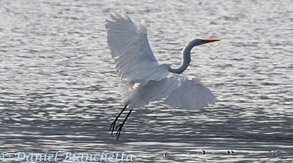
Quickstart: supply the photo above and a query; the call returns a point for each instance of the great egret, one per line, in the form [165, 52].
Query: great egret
[143, 79]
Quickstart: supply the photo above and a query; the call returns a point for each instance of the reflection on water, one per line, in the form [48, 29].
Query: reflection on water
[58, 88]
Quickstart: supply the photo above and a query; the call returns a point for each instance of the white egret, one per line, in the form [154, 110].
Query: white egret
[145, 80]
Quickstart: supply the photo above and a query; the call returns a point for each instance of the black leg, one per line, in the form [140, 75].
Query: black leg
[121, 125]
[112, 127]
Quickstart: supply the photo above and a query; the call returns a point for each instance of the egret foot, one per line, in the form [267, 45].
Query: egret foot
[112, 126]
[120, 126]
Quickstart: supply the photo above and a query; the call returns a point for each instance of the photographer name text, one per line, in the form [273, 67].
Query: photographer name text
[67, 157]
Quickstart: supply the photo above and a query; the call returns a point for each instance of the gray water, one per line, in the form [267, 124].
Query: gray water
[59, 89]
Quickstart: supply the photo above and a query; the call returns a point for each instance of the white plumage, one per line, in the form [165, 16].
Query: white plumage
[144, 80]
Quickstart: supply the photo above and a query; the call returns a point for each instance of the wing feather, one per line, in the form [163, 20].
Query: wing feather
[190, 94]
[131, 51]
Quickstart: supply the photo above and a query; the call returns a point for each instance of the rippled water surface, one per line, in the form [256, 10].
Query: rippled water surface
[59, 89]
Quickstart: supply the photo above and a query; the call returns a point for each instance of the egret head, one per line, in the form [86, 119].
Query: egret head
[200, 42]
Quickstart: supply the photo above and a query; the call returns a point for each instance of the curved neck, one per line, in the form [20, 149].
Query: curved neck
[185, 60]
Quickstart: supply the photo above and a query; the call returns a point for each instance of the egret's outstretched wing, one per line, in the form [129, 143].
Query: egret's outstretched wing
[131, 51]
[179, 92]
[190, 94]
